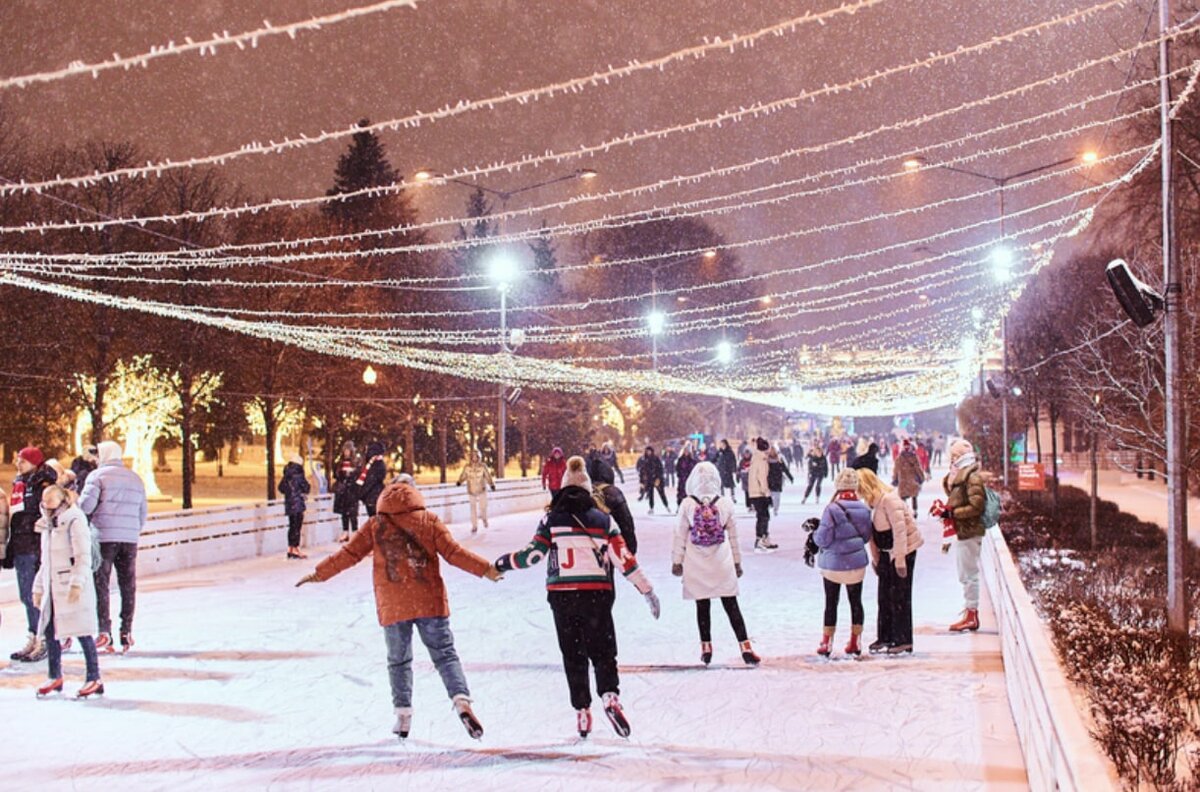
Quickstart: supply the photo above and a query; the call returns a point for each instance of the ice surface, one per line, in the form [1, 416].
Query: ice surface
[241, 681]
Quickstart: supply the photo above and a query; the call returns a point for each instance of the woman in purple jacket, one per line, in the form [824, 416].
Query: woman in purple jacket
[843, 535]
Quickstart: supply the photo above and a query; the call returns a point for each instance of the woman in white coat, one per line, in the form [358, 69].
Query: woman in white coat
[64, 589]
[706, 555]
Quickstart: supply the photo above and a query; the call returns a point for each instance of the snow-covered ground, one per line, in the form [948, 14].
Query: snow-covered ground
[240, 680]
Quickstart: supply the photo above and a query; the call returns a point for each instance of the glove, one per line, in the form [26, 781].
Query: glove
[652, 601]
[493, 574]
[74, 594]
[677, 570]
[947, 514]
[493, 488]
[901, 571]
[311, 577]
[460, 483]
[738, 569]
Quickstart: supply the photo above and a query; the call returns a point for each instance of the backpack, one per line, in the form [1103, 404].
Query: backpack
[95, 537]
[991, 509]
[706, 530]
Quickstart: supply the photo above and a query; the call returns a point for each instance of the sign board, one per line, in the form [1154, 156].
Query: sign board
[1031, 476]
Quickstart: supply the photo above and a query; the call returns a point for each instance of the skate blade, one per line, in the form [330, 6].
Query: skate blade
[473, 727]
[619, 723]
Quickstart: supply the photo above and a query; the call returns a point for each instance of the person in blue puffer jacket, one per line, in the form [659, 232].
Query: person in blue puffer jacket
[842, 536]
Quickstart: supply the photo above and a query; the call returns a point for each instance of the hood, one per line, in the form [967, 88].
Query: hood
[573, 500]
[374, 450]
[601, 472]
[557, 453]
[400, 499]
[293, 469]
[704, 482]
[108, 451]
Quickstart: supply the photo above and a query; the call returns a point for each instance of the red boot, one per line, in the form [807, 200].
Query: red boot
[51, 686]
[748, 655]
[968, 623]
[854, 648]
[826, 647]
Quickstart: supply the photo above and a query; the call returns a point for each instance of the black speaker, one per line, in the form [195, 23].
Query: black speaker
[1137, 299]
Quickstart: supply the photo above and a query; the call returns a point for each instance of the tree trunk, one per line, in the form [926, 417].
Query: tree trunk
[186, 408]
[1037, 431]
[1054, 450]
[1095, 489]
[269, 423]
[410, 443]
[233, 450]
[97, 409]
[524, 444]
[443, 446]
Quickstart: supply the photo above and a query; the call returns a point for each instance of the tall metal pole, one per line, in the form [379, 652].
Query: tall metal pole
[502, 410]
[654, 309]
[1004, 356]
[1177, 610]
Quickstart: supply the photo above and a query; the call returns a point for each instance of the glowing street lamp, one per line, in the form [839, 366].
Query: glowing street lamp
[656, 321]
[503, 271]
[370, 376]
[710, 254]
[1002, 263]
[913, 164]
[724, 352]
[1089, 157]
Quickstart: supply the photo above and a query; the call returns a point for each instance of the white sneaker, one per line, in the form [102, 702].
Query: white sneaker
[403, 722]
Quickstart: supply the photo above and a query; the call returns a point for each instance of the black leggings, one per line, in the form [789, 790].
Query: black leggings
[704, 618]
[661, 494]
[814, 481]
[833, 594]
[350, 521]
[295, 524]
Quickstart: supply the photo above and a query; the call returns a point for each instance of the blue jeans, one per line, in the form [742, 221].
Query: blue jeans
[54, 653]
[436, 635]
[26, 565]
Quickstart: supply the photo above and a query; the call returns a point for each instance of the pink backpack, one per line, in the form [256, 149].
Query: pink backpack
[706, 530]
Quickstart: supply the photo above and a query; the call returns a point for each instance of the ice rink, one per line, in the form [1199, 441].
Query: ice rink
[240, 681]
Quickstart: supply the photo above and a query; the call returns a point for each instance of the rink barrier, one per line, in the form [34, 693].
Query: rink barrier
[1060, 753]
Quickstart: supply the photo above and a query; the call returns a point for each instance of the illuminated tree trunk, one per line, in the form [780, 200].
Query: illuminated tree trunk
[269, 421]
[186, 411]
[443, 445]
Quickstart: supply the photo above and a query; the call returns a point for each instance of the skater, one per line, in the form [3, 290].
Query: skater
[65, 591]
[842, 537]
[609, 457]
[908, 476]
[294, 487]
[775, 472]
[668, 460]
[345, 492]
[818, 470]
[369, 484]
[580, 545]
[651, 473]
[758, 492]
[868, 459]
[610, 500]
[82, 466]
[706, 555]
[727, 466]
[405, 542]
[965, 501]
[744, 477]
[834, 454]
[552, 472]
[893, 548]
[683, 468]
[478, 479]
[24, 546]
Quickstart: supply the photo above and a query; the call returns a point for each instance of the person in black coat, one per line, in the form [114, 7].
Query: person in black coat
[294, 487]
[868, 461]
[371, 478]
[776, 470]
[82, 466]
[650, 475]
[818, 470]
[345, 492]
[727, 466]
[610, 500]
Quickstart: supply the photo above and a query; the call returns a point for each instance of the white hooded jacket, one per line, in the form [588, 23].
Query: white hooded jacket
[708, 572]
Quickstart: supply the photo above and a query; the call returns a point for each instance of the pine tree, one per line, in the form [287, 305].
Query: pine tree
[545, 259]
[365, 165]
[470, 259]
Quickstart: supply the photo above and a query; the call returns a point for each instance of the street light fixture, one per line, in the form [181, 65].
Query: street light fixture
[1002, 263]
[724, 352]
[656, 321]
[710, 254]
[370, 376]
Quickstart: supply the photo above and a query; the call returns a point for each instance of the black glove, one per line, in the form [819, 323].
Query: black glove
[738, 568]
[493, 488]
[677, 570]
[947, 514]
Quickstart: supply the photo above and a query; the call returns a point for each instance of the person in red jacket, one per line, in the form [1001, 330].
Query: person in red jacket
[552, 472]
[406, 542]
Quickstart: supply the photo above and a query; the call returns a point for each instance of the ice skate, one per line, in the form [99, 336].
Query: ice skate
[22, 654]
[104, 643]
[50, 686]
[583, 722]
[854, 646]
[748, 655]
[899, 649]
[651, 512]
[462, 705]
[880, 645]
[968, 623]
[126, 642]
[826, 647]
[40, 650]
[706, 652]
[403, 722]
[93, 688]
[616, 715]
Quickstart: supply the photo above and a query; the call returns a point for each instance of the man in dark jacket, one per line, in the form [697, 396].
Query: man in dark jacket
[668, 461]
[612, 502]
[294, 487]
[869, 460]
[370, 481]
[651, 473]
[727, 466]
[82, 466]
[24, 544]
[818, 470]
[609, 457]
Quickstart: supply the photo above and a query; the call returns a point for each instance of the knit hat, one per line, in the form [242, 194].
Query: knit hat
[576, 475]
[297, 460]
[32, 455]
[960, 447]
[847, 479]
[374, 450]
[762, 444]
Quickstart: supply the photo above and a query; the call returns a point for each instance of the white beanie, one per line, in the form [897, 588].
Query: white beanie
[576, 475]
[108, 451]
[847, 479]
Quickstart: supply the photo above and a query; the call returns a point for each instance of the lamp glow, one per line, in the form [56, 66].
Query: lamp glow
[724, 352]
[370, 376]
[503, 270]
[656, 321]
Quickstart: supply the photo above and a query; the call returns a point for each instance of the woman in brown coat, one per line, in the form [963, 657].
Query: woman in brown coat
[405, 543]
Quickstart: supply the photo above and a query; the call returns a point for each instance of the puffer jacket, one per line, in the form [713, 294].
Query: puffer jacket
[345, 493]
[757, 481]
[610, 500]
[405, 542]
[908, 476]
[683, 468]
[114, 499]
[477, 478]
[3, 525]
[25, 504]
[895, 528]
[775, 472]
[369, 484]
[727, 466]
[66, 541]
[842, 536]
[818, 466]
[650, 471]
[966, 498]
[293, 487]
[553, 470]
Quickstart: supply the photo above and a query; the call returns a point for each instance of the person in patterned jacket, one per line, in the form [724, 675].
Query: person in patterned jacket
[581, 545]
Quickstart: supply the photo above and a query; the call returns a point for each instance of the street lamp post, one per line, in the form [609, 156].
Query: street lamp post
[503, 271]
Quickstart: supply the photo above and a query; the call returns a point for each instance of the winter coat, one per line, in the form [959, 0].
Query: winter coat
[966, 497]
[293, 487]
[553, 470]
[24, 506]
[895, 528]
[669, 457]
[345, 493]
[923, 457]
[868, 461]
[650, 471]
[114, 499]
[609, 457]
[908, 476]
[612, 502]
[834, 452]
[683, 469]
[369, 484]
[82, 468]
[406, 543]
[757, 485]
[818, 467]
[727, 466]
[708, 572]
[477, 477]
[581, 545]
[775, 473]
[66, 561]
[3, 525]
[842, 536]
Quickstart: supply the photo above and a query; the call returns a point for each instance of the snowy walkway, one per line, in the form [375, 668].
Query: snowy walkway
[1145, 499]
[242, 682]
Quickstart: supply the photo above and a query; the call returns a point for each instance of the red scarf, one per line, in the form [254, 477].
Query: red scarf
[846, 495]
[362, 477]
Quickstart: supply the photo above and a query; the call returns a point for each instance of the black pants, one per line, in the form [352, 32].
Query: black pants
[833, 594]
[813, 480]
[295, 523]
[124, 556]
[586, 635]
[704, 618]
[895, 624]
[762, 515]
[914, 500]
[350, 521]
[662, 495]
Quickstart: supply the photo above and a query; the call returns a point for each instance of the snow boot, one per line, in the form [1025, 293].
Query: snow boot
[826, 647]
[104, 643]
[878, 646]
[583, 722]
[462, 705]
[969, 621]
[616, 715]
[854, 647]
[748, 655]
[93, 688]
[403, 722]
[126, 642]
[705, 652]
[50, 686]
[40, 650]
[22, 654]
